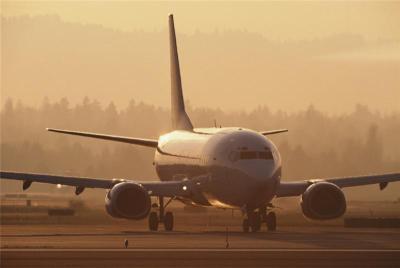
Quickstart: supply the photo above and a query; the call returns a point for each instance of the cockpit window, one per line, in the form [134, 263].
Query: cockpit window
[265, 155]
[256, 155]
[248, 155]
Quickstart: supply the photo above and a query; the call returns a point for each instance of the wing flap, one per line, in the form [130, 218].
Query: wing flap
[365, 180]
[28, 178]
[296, 188]
[154, 188]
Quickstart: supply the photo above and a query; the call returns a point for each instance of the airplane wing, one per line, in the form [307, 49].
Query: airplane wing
[154, 188]
[298, 187]
[137, 141]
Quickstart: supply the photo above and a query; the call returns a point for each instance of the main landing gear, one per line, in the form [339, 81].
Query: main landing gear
[166, 218]
[255, 218]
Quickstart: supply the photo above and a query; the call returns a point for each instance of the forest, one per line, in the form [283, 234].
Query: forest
[317, 145]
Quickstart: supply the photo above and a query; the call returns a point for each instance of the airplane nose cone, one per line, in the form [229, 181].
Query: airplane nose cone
[250, 183]
[258, 171]
[261, 180]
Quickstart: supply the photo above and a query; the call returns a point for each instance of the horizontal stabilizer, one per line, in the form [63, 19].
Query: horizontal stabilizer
[270, 132]
[137, 141]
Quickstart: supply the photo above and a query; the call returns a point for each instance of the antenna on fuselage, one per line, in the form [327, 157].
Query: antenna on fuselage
[179, 117]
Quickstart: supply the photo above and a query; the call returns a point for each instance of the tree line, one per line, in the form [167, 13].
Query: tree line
[317, 144]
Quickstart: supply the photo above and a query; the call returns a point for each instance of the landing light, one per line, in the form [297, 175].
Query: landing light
[184, 187]
[59, 186]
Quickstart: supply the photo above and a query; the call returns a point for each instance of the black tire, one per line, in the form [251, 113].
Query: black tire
[254, 221]
[246, 226]
[271, 221]
[256, 225]
[153, 221]
[169, 221]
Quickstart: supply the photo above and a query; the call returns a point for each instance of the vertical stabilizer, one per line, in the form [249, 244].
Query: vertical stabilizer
[180, 120]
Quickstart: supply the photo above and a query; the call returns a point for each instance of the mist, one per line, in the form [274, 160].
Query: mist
[317, 145]
[234, 70]
[337, 94]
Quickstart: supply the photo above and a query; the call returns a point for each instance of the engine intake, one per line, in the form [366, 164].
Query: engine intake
[323, 201]
[128, 200]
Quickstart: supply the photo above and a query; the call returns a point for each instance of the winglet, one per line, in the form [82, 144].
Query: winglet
[179, 117]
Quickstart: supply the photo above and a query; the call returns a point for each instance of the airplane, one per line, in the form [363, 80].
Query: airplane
[229, 167]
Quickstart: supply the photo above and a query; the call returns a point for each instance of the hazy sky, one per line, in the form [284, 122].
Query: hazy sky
[275, 20]
[287, 55]
[318, 54]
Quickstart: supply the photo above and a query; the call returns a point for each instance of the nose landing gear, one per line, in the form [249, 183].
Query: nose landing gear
[271, 221]
[255, 218]
[166, 218]
[153, 221]
[252, 222]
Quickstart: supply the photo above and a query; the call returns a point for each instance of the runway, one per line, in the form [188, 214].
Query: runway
[103, 245]
[200, 258]
[112, 237]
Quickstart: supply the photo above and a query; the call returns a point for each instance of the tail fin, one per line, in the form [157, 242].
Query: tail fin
[180, 120]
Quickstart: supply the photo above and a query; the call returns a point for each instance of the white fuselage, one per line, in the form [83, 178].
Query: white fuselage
[232, 167]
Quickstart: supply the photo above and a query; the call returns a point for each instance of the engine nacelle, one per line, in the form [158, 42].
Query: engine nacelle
[128, 200]
[323, 201]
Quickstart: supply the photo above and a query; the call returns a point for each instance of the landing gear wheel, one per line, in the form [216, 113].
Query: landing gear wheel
[256, 225]
[153, 221]
[254, 219]
[246, 226]
[271, 221]
[169, 221]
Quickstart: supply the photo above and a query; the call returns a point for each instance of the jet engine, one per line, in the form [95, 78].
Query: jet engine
[128, 200]
[323, 201]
